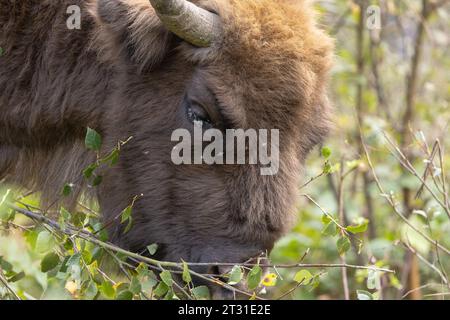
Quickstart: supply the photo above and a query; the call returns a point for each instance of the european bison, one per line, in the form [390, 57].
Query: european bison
[143, 69]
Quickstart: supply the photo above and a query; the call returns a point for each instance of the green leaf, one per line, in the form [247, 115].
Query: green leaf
[107, 290]
[90, 290]
[89, 171]
[413, 238]
[125, 295]
[373, 280]
[186, 274]
[74, 259]
[161, 289]
[254, 277]
[78, 219]
[126, 213]
[152, 248]
[49, 262]
[128, 227]
[326, 152]
[87, 256]
[1, 51]
[236, 275]
[5, 265]
[327, 168]
[67, 190]
[148, 283]
[364, 295]
[5, 213]
[359, 228]
[326, 219]
[112, 158]
[353, 164]
[135, 286]
[171, 296]
[201, 293]
[304, 277]
[330, 229]
[393, 280]
[142, 269]
[121, 286]
[166, 277]
[343, 245]
[314, 283]
[44, 242]
[16, 277]
[126, 216]
[65, 214]
[97, 181]
[93, 140]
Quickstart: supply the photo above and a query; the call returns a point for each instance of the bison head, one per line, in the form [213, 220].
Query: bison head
[228, 64]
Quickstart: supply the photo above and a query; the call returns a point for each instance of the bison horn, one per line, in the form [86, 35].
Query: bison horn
[188, 21]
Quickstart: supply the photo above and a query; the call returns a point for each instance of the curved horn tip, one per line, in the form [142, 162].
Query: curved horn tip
[188, 21]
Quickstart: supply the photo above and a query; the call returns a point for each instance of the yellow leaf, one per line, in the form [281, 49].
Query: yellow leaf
[117, 285]
[269, 280]
[72, 287]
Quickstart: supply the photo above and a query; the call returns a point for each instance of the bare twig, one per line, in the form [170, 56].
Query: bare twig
[312, 180]
[404, 161]
[426, 262]
[291, 290]
[325, 212]
[437, 294]
[82, 234]
[415, 289]
[5, 283]
[394, 206]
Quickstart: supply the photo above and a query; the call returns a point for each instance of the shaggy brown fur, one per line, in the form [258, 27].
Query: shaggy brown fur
[125, 75]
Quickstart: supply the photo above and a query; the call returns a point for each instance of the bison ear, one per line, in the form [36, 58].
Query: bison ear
[129, 30]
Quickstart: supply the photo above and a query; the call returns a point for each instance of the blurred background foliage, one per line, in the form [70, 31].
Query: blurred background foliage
[390, 88]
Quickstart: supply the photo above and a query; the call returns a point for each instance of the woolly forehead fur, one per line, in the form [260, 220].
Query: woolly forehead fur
[271, 54]
[272, 32]
[275, 54]
[270, 67]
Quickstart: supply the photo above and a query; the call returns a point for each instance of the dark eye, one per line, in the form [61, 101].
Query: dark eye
[196, 113]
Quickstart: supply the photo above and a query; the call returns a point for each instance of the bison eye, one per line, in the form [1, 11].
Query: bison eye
[196, 113]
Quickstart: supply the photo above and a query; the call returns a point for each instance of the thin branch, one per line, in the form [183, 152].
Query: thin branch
[82, 234]
[404, 161]
[291, 290]
[416, 289]
[312, 180]
[444, 183]
[324, 212]
[426, 262]
[70, 230]
[437, 294]
[5, 283]
[394, 206]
